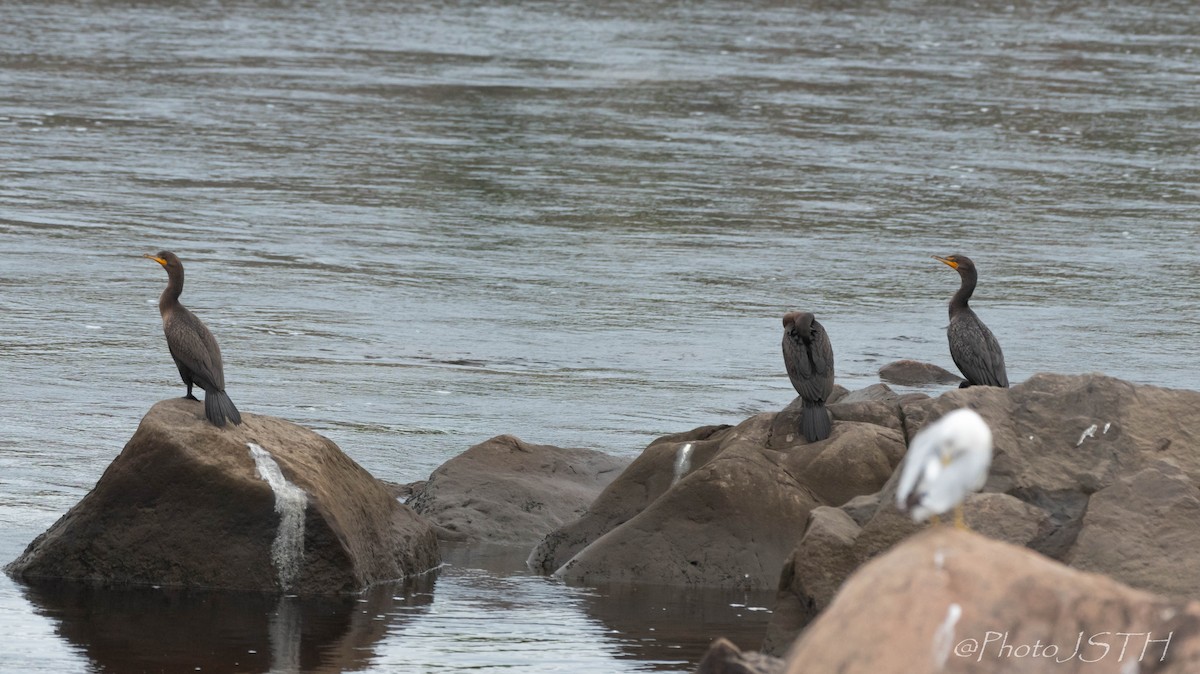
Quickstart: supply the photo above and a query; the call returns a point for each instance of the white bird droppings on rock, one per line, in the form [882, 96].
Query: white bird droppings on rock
[1089, 433]
[943, 638]
[683, 462]
[287, 550]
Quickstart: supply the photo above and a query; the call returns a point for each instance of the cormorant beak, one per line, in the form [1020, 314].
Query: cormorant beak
[944, 260]
[155, 258]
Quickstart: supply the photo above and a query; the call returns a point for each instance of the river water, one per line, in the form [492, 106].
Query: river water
[415, 226]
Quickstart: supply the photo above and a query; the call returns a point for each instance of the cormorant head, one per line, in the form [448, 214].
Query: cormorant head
[962, 263]
[800, 321]
[167, 259]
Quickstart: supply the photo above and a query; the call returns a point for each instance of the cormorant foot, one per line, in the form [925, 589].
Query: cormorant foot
[191, 397]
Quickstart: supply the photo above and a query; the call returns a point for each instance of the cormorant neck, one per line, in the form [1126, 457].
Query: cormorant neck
[170, 296]
[959, 301]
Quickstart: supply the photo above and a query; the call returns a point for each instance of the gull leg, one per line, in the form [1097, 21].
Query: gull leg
[959, 522]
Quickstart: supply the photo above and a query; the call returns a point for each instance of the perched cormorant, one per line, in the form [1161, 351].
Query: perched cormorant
[808, 357]
[193, 347]
[946, 461]
[972, 346]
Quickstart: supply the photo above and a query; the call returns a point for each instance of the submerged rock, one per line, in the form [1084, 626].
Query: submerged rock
[723, 657]
[916, 373]
[953, 601]
[1093, 471]
[507, 491]
[267, 505]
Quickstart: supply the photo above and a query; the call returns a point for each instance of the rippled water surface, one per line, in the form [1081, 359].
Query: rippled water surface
[415, 226]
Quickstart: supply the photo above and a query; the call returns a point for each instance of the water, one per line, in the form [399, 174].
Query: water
[414, 227]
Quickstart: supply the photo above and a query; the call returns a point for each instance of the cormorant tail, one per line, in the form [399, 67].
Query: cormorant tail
[219, 408]
[815, 423]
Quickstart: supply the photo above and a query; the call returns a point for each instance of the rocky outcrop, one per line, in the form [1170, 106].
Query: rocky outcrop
[266, 505]
[510, 492]
[724, 506]
[951, 601]
[1093, 471]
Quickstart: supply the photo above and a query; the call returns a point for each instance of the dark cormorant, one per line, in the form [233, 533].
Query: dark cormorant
[972, 346]
[808, 357]
[193, 347]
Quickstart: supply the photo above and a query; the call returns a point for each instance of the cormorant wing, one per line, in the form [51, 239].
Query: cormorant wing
[193, 346]
[809, 367]
[976, 352]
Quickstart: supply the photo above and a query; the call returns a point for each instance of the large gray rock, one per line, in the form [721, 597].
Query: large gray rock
[721, 506]
[510, 492]
[1089, 470]
[267, 505]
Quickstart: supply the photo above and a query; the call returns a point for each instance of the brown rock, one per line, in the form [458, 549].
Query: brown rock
[951, 601]
[1072, 454]
[507, 491]
[723, 657]
[732, 518]
[834, 545]
[1145, 530]
[189, 504]
[916, 373]
[649, 476]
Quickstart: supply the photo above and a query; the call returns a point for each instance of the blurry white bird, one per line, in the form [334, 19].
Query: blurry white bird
[946, 461]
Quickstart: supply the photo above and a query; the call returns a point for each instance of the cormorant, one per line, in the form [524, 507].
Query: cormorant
[193, 347]
[972, 346]
[808, 357]
[946, 461]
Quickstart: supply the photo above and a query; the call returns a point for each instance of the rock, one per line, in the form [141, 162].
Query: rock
[723, 657]
[878, 392]
[1089, 470]
[188, 504]
[735, 511]
[1130, 523]
[403, 491]
[916, 373]
[507, 491]
[834, 545]
[649, 476]
[951, 601]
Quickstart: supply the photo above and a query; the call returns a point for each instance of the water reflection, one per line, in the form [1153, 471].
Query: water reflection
[172, 630]
[659, 628]
[670, 628]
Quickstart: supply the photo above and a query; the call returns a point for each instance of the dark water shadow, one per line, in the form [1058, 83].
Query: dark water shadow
[670, 628]
[175, 630]
[663, 627]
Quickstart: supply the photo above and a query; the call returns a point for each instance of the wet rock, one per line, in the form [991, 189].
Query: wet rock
[1089, 470]
[731, 516]
[916, 373]
[507, 491]
[723, 657]
[267, 505]
[952, 601]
